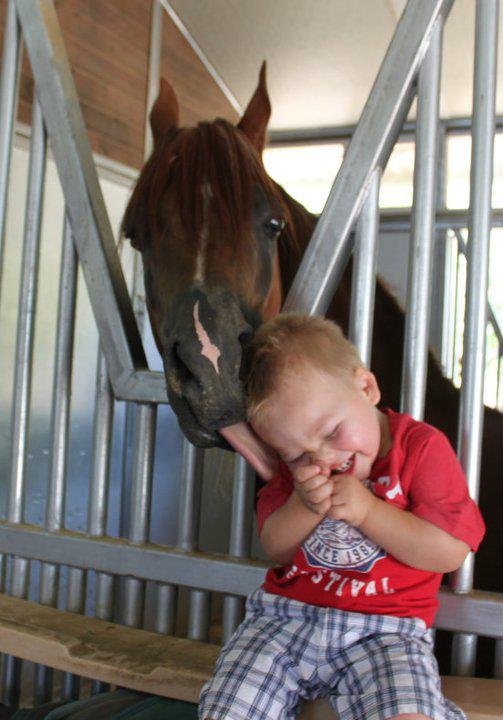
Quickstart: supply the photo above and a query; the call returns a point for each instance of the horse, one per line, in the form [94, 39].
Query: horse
[220, 243]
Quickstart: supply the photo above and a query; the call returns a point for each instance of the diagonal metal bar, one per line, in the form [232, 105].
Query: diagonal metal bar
[119, 335]
[382, 118]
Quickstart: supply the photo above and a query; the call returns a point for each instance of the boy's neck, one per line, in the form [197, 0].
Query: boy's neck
[386, 437]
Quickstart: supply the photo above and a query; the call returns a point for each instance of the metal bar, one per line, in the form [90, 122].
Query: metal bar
[98, 489]
[165, 612]
[188, 529]
[493, 321]
[450, 306]
[141, 494]
[9, 86]
[417, 319]
[477, 611]
[76, 603]
[328, 251]
[364, 272]
[142, 561]
[165, 594]
[49, 580]
[154, 69]
[102, 440]
[491, 315]
[138, 292]
[343, 133]
[397, 220]
[240, 537]
[454, 354]
[471, 400]
[198, 626]
[93, 237]
[23, 372]
[440, 298]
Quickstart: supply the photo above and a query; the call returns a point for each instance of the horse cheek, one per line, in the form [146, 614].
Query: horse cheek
[274, 299]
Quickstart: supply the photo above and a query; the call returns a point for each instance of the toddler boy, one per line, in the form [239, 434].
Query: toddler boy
[368, 509]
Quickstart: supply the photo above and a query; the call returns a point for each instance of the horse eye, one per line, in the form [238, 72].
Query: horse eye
[274, 226]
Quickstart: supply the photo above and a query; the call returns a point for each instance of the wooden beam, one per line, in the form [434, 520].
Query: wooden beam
[163, 665]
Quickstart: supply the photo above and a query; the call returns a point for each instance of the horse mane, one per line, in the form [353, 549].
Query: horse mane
[214, 159]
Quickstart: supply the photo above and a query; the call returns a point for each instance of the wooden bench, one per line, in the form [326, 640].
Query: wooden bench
[163, 665]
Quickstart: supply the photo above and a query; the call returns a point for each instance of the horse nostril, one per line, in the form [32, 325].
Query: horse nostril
[176, 368]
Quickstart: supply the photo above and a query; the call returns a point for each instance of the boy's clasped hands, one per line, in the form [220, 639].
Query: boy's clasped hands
[338, 497]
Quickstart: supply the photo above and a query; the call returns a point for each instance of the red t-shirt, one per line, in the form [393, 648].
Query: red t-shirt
[338, 566]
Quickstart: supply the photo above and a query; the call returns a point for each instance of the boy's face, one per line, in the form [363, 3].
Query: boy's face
[325, 420]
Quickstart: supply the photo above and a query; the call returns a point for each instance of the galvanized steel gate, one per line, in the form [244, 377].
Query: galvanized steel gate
[411, 67]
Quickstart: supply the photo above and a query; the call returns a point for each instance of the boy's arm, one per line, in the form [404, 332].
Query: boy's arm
[411, 539]
[286, 528]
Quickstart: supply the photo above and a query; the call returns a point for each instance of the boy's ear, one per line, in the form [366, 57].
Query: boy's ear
[367, 382]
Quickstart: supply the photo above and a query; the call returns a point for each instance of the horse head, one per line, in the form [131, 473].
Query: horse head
[207, 220]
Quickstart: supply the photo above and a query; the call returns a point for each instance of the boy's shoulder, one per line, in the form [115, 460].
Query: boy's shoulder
[411, 435]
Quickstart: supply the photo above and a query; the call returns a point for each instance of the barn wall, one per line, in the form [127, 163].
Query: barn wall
[107, 45]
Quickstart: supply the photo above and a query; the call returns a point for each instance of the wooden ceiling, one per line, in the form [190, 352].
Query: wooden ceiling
[107, 45]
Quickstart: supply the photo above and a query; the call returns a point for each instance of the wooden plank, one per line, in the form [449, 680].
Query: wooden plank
[107, 45]
[163, 665]
[480, 698]
[137, 659]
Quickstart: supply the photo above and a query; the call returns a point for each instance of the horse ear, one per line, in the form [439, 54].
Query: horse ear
[165, 112]
[257, 114]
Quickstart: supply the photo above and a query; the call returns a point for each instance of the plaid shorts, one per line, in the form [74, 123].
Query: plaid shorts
[369, 667]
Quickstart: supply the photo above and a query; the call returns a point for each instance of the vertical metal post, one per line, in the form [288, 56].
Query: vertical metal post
[441, 300]
[471, 412]
[9, 86]
[141, 494]
[166, 594]
[49, 580]
[364, 272]
[76, 603]
[422, 230]
[97, 517]
[23, 375]
[449, 307]
[154, 68]
[240, 537]
[98, 488]
[188, 528]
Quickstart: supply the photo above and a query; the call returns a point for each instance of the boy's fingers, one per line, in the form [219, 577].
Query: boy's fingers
[307, 472]
[316, 482]
[321, 508]
[320, 493]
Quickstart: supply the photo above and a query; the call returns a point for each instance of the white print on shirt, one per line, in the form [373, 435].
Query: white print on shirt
[335, 544]
[391, 494]
[344, 586]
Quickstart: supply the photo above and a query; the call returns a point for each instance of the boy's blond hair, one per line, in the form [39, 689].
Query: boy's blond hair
[285, 344]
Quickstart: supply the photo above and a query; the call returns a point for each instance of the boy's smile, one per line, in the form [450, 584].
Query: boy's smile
[314, 418]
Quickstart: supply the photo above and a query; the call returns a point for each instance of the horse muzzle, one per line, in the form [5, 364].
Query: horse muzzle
[203, 340]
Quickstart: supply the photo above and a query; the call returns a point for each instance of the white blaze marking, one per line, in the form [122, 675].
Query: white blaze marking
[209, 350]
[203, 236]
[201, 255]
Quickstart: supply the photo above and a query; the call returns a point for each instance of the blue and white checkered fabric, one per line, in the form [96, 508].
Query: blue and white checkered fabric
[369, 667]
